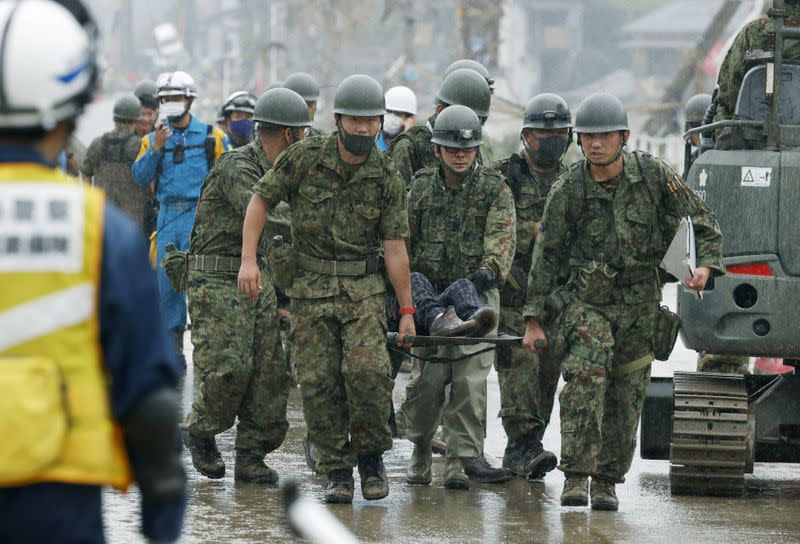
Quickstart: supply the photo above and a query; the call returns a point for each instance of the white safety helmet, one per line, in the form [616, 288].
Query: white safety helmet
[176, 84]
[401, 99]
[50, 68]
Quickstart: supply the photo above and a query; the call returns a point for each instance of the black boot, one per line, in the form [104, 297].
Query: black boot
[527, 458]
[478, 469]
[339, 489]
[205, 455]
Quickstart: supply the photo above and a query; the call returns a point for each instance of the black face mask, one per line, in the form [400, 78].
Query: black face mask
[551, 149]
[356, 144]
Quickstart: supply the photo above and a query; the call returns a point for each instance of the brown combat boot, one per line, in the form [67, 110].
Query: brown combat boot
[251, 469]
[449, 324]
[419, 468]
[604, 496]
[576, 491]
[438, 446]
[374, 483]
[205, 455]
[454, 477]
[339, 489]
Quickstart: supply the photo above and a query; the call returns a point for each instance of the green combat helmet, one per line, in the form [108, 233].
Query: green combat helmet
[472, 65]
[466, 87]
[359, 95]
[457, 126]
[146, 87]
[127, 109]
[547, 111]
[303, 84]
[281, 107]
[600, 112]
[695, 109]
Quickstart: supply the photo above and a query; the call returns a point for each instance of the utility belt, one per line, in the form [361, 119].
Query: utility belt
[177, 265]
[213, 263]
[371, 265]
[284, 262]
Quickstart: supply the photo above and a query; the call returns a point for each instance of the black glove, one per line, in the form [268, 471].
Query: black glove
[482, 279]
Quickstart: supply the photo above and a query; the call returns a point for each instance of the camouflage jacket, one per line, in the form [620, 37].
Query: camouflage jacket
[456, 232]
[530, 190]
[412, 150]
[606, 249]
[223, 202]
[754, 36]
[108, 162]
[336, 218]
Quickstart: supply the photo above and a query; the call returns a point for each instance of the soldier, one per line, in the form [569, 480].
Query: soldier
[594, 292]
[695, 112]
[347, 203]
[528, 382]
[109, 159]
[306, 86]
[237, 113]
[472, 65]
[462, 226]
[412, 150]
[237, 351]
[147, 93]
[754, 36]
[487, 147]
[173, 161]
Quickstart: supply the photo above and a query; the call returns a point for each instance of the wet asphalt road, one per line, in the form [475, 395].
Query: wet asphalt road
[519, 511]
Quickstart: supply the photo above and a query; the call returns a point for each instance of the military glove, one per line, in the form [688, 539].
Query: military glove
[482, 279]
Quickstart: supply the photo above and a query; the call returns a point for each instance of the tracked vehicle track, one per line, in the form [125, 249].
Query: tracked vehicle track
[710, 444]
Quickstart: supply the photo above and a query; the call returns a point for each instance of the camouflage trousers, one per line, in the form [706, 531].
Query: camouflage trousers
[527, 381]
[238, 363]
[339, 352]
[606, 366]
[462, 412]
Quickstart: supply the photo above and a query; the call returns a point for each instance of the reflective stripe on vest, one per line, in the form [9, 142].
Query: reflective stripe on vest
[51, 235]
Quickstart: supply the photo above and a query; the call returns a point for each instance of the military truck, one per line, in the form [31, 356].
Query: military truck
[714, 427]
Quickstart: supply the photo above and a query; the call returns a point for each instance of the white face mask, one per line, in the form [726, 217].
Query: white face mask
[392, 124]
[173, 109]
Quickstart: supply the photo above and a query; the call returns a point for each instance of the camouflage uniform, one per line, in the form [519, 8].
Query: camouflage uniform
[601, 319]
[108, 161]
[345, 212]
[412, 150]
[237, 353]
[754, 36]
[454, 233]
[527, 381]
